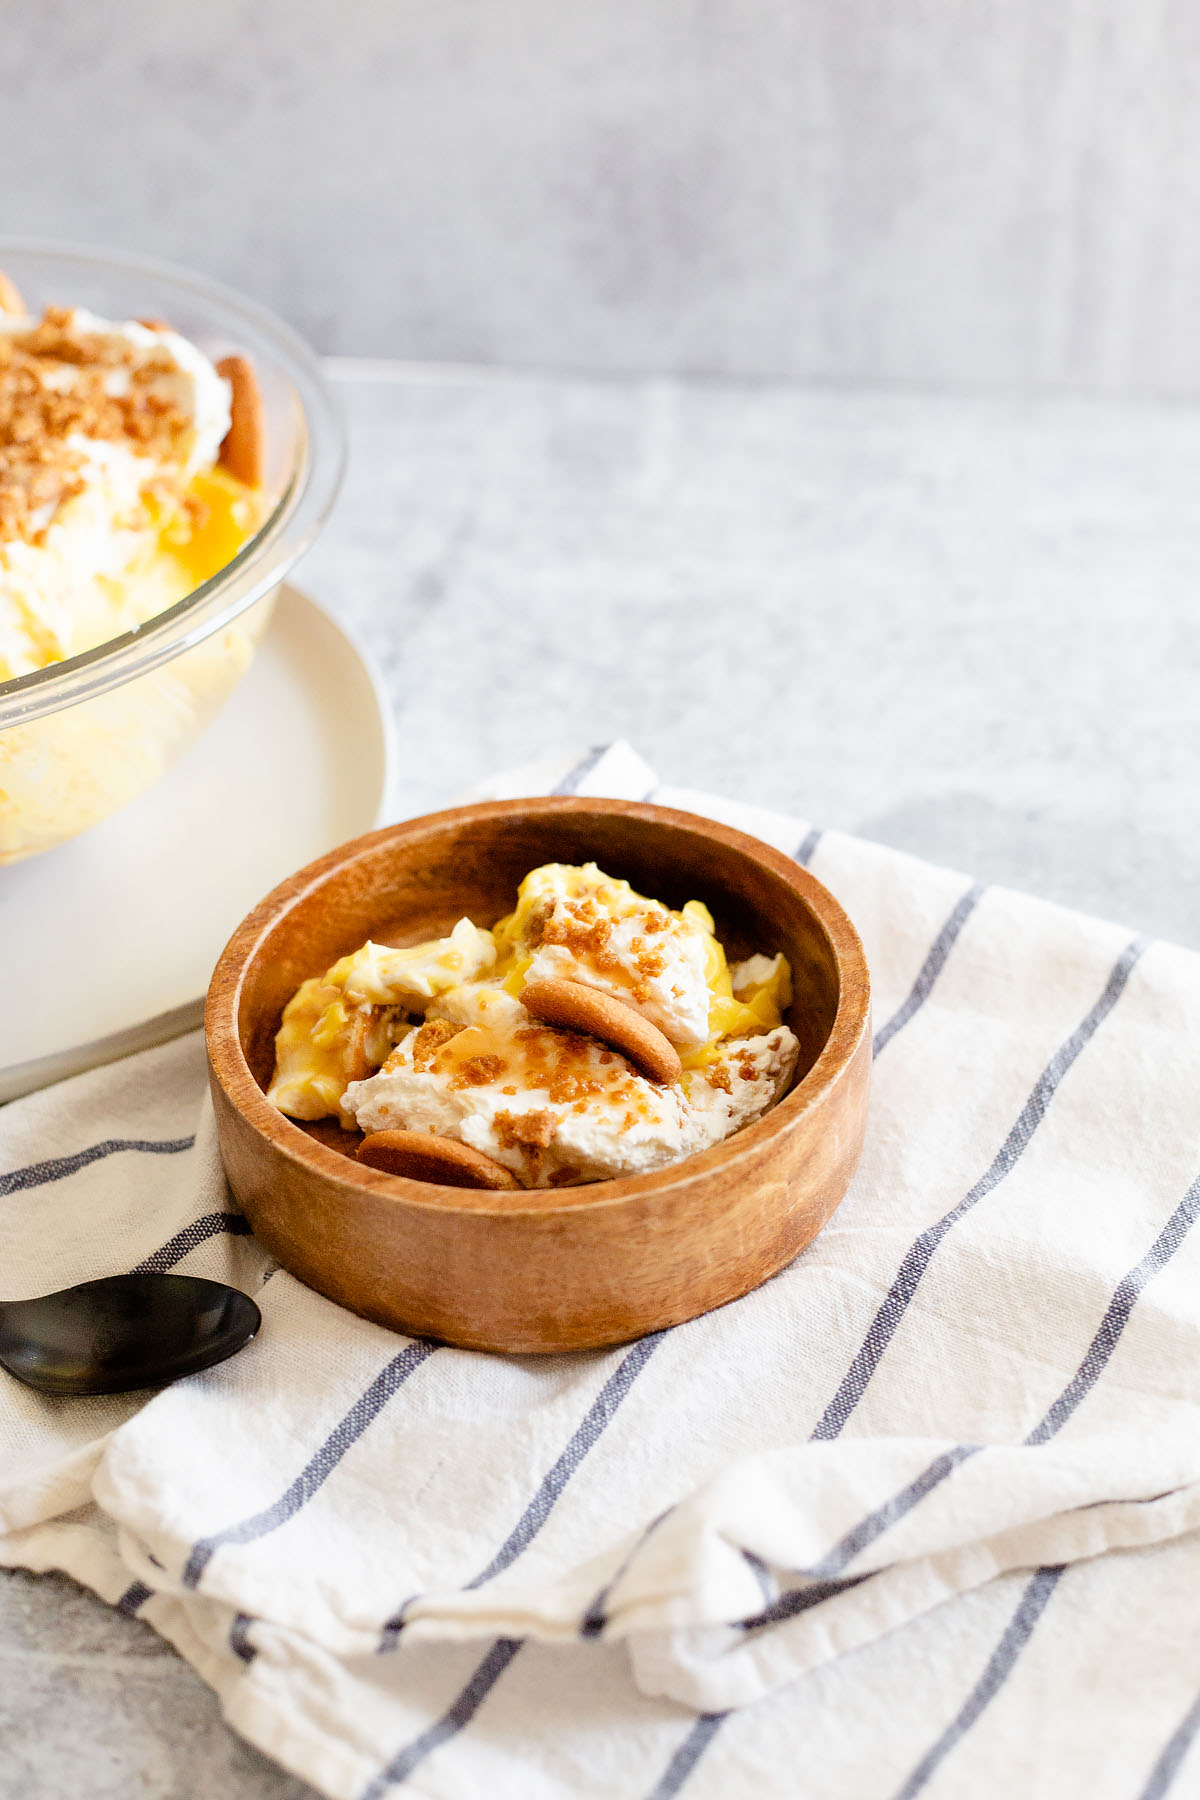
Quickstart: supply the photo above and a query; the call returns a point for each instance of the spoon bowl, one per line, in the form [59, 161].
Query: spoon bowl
[123, 1332]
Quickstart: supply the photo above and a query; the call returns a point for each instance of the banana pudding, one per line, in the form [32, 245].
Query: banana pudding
[591, 1033]
[114, 503]
[131, 472]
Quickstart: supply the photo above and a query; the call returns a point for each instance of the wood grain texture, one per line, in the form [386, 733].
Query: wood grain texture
[562, 1269]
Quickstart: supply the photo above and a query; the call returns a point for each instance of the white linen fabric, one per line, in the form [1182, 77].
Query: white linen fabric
[917, 1516]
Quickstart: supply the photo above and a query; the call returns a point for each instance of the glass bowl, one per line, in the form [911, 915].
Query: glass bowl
[83, 737]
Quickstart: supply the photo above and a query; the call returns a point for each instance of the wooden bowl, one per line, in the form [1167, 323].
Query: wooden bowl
[566, 1268]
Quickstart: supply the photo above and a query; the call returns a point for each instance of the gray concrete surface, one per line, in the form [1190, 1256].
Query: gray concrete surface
[836, 190]
[965, 627]
[95, 1706]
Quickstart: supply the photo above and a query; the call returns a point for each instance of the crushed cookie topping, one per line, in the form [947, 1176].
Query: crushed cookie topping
[431, 1038]
[478, 1071]
[582, 928]
[525, 1128]
[114, 393]
[562, 1064]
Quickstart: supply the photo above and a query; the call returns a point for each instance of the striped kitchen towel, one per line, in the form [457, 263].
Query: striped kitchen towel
[919, 1516]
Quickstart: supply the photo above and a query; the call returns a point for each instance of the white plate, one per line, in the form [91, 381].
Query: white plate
[107, 943]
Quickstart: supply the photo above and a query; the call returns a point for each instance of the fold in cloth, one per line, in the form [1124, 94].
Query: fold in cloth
[917, 1511]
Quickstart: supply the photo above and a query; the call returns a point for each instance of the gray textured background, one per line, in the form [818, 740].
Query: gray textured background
[933, 191]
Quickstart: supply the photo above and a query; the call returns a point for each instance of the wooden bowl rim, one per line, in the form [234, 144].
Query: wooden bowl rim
[230, 1068]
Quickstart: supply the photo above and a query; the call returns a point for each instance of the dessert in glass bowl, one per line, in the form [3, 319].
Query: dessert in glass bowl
[592, 1033]
[167, 451]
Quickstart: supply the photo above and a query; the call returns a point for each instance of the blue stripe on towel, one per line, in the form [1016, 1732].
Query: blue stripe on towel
[582, 1439]
[451, 1722]
[1162, 1775]
[921, 1254]
[1032, 1604]
[57, 1168]
[210, 1225]
[931, 968]
[806, 848]
[347, 1432]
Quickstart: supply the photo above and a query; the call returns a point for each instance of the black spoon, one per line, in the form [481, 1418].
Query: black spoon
[124, 1332]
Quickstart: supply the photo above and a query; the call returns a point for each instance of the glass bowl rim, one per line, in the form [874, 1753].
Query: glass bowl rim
[263, 560]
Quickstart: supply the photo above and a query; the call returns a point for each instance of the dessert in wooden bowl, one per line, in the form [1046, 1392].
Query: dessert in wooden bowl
[541, 1268]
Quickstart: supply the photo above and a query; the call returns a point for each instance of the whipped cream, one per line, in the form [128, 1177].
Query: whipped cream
[576, 924]
[556, 1107]
[123, 417]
